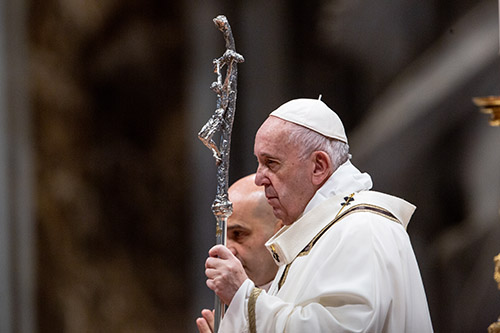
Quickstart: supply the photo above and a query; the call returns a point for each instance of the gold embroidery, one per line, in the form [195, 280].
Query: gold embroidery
[251, 309]
[354, 209]
[283, 277]
[275, 254]
[344, 204]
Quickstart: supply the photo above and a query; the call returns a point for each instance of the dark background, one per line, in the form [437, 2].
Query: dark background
[123, 187]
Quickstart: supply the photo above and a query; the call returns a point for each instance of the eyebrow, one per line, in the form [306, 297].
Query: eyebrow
[267, 156]
[237, 226]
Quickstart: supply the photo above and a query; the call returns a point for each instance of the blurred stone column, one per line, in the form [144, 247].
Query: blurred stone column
[16, 205]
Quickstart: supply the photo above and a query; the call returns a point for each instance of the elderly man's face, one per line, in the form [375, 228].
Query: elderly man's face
[286, 177]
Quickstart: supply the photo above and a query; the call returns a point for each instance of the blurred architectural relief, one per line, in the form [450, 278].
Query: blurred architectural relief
[105, 217]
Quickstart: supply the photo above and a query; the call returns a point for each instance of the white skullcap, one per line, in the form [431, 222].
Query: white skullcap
[313, 114]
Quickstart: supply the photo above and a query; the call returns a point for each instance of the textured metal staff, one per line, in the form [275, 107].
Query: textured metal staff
[222, 120]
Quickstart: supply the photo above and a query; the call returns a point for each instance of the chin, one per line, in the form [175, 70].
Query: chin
[287, 220]
[278, 213]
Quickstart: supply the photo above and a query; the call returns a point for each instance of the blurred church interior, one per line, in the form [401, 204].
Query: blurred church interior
[105, 195]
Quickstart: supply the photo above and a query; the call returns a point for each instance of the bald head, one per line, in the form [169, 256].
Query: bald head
[245, 191]
[249, 227]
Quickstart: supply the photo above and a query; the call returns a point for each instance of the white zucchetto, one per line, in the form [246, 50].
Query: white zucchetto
[313, 114]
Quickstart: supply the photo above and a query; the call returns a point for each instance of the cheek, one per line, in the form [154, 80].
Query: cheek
[294, 195]
[254, 244]
[257, 243]
[298, 180]
[288, 191]
[279, 186]
[247, 248]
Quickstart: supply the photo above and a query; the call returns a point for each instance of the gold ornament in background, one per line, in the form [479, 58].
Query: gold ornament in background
[497, 269]
[495, 327]
[489, 105]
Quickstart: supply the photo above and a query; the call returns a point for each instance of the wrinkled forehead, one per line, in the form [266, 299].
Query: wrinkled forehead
[271, 131]
[273, 123]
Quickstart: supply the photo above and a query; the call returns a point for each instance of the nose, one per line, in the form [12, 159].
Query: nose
[230, 246]
[260, 177]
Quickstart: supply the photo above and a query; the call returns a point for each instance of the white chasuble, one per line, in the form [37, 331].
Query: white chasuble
[347, 265]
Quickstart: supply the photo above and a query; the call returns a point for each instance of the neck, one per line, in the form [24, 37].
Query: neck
[345, 180]
[265, 286]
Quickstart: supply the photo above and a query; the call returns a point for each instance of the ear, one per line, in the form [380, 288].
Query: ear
[322, 167]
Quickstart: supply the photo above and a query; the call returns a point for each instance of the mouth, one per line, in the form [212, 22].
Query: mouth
[271, 199]
[270, 193]
[269, 196]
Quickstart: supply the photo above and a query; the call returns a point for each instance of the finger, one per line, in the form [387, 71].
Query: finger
[216, 284]
[211, 273]
[209, 317]
[211, 262]
[211, 284]
[220, 251]
[203, 326]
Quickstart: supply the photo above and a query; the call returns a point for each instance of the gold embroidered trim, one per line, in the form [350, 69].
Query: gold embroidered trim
[251, 309]
[354, 209]
[373, 209]
[283, 277]
[345, 204]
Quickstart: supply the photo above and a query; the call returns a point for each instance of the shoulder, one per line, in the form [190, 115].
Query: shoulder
[385, 205]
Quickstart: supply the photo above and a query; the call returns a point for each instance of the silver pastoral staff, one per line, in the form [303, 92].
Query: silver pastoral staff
[222, 120]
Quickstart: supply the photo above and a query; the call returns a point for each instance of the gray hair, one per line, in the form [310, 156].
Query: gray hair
[310, 141]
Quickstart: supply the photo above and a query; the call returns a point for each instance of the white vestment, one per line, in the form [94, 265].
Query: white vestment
[346, 265]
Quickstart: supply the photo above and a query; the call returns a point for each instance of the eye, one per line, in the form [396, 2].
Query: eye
[237, 235]
[271, 164]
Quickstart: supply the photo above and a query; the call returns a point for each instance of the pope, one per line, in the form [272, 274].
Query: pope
[345, 260]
